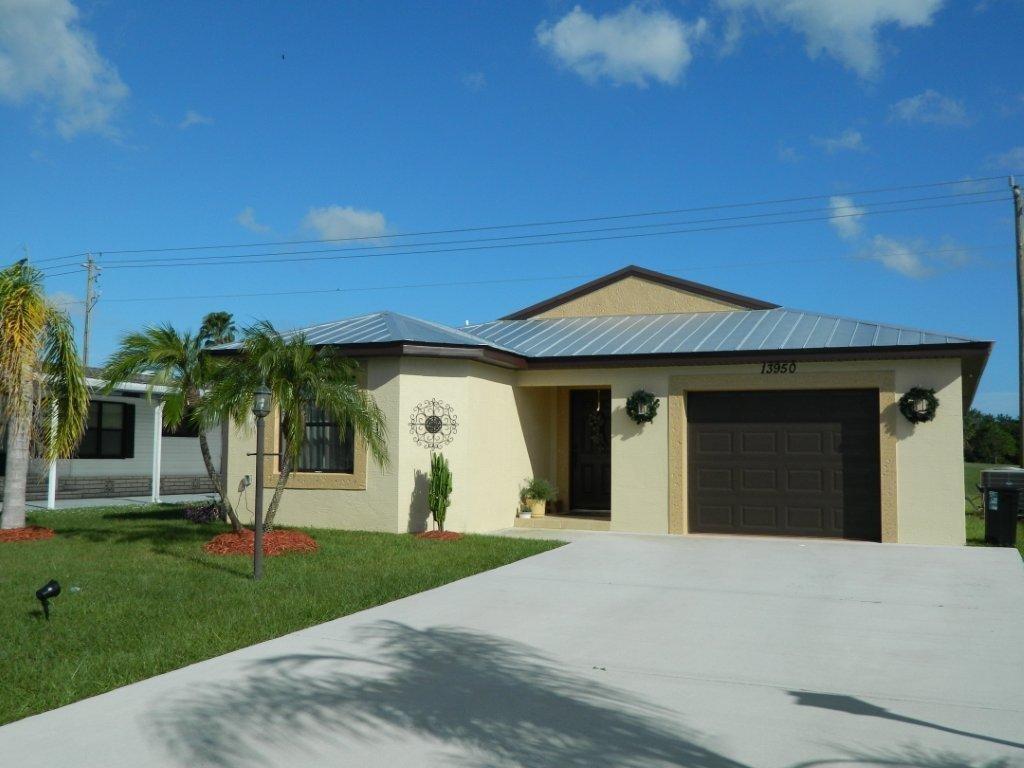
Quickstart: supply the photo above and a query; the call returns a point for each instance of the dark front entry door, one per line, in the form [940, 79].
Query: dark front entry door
[802, 463]
[590, 456]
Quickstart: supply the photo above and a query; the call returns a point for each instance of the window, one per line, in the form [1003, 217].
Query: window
[326, 447]
[109, 432]
[185, 428]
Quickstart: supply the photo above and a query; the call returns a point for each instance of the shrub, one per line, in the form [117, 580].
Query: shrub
[202, 513]
[538, 489]
[439, 490]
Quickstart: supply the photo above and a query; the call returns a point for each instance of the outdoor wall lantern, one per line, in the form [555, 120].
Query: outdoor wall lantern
[260, 409]
[918, 405]
[642, 406]
[47, 592]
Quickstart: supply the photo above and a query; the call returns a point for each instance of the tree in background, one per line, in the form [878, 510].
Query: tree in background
[179, 362]
[299, 376]
[44, 399]
[991, 439]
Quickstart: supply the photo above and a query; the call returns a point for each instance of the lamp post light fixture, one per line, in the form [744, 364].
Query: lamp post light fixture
[47, 592]
[260, 409]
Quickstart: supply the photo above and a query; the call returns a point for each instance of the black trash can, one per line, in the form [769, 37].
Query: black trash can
[1001, 489]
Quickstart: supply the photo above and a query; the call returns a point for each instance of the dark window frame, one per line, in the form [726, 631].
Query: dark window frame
[91, 445]
[343, 453]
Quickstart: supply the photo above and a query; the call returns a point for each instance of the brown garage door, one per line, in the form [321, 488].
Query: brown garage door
[799, 463]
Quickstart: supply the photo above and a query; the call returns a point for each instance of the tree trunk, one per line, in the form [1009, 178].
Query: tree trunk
[282, 481]
[18, 444]
[218, 481]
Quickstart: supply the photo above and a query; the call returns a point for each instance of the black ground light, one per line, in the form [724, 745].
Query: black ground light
[47, 592]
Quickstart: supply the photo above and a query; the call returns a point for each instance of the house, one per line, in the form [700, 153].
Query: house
[124, 447]
[771, 421]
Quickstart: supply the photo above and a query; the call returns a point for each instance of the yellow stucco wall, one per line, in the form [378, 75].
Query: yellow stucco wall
[509, 430]
[635, 296]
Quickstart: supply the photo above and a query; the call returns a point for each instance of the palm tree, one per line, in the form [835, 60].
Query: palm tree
[44, 400]
[178, 361]
[299, 376]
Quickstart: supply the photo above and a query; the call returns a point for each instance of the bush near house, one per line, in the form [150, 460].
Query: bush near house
[991, 439]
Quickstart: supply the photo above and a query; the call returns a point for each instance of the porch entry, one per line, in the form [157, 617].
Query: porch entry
[590, 451]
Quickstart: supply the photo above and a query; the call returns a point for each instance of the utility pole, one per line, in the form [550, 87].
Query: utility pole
[1018, 225]
[91, 270]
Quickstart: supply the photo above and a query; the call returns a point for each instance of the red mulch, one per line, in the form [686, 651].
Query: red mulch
[274, 543]
[439, 535]
[28, 533]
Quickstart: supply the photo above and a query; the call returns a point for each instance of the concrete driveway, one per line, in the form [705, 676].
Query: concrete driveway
[613, 651]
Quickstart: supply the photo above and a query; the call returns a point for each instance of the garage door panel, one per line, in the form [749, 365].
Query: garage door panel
[801, 463]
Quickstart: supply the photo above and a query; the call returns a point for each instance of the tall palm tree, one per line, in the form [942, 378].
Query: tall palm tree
[299, 376]
[177, 360]
[44, 400]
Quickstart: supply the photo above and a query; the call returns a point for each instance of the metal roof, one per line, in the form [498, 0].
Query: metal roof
[381, 328]
[696, 332]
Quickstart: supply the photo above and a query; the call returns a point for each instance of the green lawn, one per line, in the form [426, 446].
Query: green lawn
[140, 597]
[972, 505]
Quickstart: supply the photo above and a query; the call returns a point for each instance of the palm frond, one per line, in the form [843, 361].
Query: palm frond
[63, 390]
[23, 316]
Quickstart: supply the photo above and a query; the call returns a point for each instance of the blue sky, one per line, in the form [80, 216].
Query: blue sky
[128, 126]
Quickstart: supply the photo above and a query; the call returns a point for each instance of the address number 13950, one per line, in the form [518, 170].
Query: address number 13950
[778, 367]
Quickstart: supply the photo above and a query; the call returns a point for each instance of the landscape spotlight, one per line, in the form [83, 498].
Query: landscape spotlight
[47, 592]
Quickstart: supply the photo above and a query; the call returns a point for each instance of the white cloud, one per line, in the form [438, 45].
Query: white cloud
[474, 81]
[849, 225]
[1011, 160]
[247, 218]
[335, 222]
[67, 302]
[787, 154]
[849, 140]
[898, 255]
[629, 47]
[194, 118]
[847, 30]
[46, 55]
[929, 107]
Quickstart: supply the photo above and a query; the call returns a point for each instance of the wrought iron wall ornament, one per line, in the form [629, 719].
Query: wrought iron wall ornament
[433, 424]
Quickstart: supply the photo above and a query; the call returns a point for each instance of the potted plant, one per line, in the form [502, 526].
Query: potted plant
[535, 495]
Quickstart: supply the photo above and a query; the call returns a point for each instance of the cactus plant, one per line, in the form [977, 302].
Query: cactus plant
[439, 490]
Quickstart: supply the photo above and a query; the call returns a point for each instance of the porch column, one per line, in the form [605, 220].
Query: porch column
[51, 481]
[158, 423]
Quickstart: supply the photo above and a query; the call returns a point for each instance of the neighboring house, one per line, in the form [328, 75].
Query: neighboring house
[771, 421]
[124, 445]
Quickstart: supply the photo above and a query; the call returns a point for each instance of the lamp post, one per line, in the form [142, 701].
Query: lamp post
[260, 409]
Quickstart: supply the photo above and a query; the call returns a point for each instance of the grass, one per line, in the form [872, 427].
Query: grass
[140, 597]
[972, 508]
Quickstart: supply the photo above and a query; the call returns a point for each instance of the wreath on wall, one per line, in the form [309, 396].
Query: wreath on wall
[918, 405]
[642, 406]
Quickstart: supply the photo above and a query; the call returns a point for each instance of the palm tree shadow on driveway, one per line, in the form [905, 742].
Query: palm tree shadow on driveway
[483, 700]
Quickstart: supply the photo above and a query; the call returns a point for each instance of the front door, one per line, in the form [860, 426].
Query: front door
[590, 457]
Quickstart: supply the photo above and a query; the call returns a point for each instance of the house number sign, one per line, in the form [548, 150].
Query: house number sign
[777, 367]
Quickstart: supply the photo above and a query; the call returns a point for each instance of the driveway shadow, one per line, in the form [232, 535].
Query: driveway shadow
[482, 700]
[854, 706]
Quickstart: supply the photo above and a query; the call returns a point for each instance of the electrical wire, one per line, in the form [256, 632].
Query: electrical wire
[542, 223]
[302, 256]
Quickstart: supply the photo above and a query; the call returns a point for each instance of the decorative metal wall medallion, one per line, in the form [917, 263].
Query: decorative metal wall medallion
[433, 423]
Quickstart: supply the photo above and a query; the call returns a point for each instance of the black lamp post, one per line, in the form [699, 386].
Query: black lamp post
[260, 409]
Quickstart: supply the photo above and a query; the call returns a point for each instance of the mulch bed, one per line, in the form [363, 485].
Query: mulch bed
[439, 535]
[28, 533]
[274, 543]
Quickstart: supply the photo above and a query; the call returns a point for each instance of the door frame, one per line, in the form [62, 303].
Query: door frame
[882, 381]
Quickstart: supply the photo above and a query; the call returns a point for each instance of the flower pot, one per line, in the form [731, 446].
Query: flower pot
[536, 507]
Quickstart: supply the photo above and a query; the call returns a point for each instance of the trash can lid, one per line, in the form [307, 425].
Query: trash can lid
[1011, 478]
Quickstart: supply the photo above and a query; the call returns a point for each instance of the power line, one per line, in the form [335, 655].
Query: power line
[543, 223]
[853, 211]
[300, 256]
[496, 281]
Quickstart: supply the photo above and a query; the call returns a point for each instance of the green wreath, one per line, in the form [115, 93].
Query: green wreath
[642, 406]
[909, 402]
